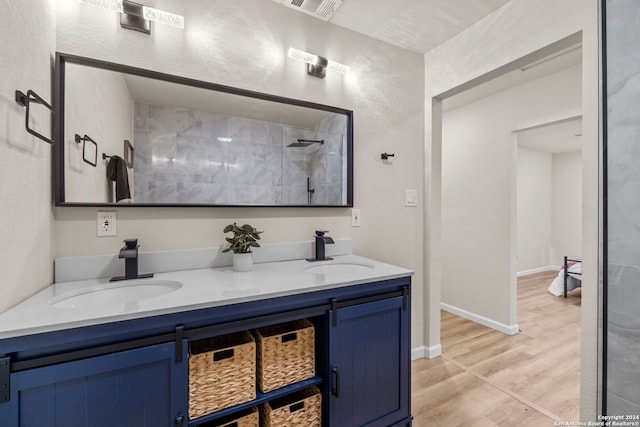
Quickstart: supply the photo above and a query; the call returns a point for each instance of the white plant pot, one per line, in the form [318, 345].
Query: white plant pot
[242, 262]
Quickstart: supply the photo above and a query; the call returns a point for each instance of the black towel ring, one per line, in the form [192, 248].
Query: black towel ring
[84, 139]
[26, 100]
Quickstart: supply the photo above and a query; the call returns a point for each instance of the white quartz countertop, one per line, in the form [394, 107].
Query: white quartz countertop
[201, 288]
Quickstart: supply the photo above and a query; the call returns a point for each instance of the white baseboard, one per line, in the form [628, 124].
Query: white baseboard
[428, 352]
[434, 351]
[538, 270]
[490, 323]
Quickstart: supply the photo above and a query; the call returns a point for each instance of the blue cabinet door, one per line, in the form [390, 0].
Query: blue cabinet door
[144, 387]
[369, 362]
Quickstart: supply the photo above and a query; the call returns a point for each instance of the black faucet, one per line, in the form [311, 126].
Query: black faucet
[130, 254]
[321, 241]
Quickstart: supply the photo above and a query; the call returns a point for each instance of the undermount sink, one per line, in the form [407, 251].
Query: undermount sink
[341, 267]
[115, 293]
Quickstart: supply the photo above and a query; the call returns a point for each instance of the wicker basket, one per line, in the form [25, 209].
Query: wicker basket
[302, 409]
[222, 372]
[286, 354]
[247, 418]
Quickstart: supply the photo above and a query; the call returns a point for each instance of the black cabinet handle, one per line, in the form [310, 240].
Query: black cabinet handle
[180, 420]
[336, 382]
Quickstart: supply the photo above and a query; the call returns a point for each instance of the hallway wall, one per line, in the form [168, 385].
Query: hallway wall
[479, 174]
[549, 218]
[533, 210]
[566, 215]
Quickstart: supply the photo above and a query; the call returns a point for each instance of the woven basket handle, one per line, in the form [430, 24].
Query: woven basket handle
[296, 407]
[290, 337]
[223, 354]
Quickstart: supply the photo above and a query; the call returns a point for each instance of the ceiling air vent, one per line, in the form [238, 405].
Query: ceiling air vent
[321, 9]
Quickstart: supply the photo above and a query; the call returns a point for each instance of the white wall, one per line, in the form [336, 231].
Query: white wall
[549, 213]
[494, 45]
[566, 223]
[89, 111]
[534, 209]
[26, 233]
[478, 175]
[244, 44]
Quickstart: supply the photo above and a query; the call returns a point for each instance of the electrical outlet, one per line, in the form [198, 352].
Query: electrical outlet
[106, 223]
[355, 217]
[411, 198]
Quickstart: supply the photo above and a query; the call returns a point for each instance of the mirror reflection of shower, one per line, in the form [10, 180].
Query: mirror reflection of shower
[312, 159]
[301, 143]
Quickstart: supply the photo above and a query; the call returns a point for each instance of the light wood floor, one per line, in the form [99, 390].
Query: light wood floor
[486, 378]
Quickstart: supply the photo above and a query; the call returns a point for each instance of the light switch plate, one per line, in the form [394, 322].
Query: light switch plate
[411, 198]
[106, 223]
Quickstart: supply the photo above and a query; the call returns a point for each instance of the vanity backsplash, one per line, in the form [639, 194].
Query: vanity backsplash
[98, 266]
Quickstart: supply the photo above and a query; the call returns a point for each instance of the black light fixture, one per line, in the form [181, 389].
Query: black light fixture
[317, 65]
[132, 17]
[319, 69]
[138, 17]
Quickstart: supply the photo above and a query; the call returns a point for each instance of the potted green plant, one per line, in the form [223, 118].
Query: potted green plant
[243, 240]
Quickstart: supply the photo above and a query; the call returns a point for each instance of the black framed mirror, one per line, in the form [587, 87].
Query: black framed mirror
[194, 143]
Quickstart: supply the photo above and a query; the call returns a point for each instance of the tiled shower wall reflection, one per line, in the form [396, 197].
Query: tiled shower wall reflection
[623, 207]
[196, 157]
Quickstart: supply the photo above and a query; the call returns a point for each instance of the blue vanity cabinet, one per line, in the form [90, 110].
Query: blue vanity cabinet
[144, 387]
[369, 356]
[135, 372]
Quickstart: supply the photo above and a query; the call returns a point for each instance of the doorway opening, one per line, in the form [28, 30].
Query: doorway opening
[489, 134]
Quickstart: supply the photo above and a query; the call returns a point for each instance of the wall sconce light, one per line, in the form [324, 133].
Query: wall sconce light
[138, 17]
[115, 5]
[317, 65]
[135, 16]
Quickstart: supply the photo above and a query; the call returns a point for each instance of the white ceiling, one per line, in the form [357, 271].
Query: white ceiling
[418, 25]
[558, 137]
